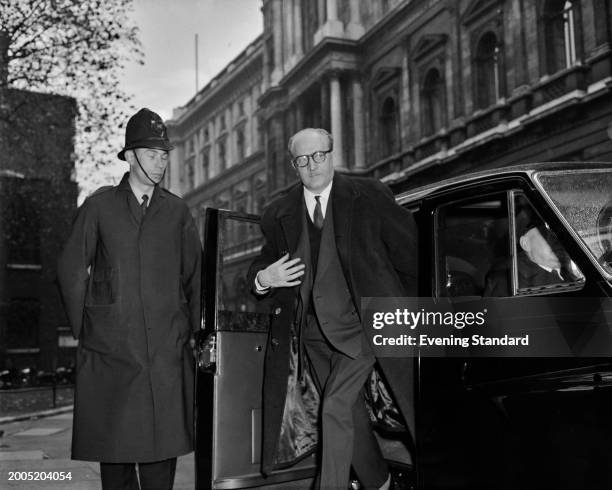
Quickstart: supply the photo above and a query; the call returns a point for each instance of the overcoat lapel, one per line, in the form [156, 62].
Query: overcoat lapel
[343, 197]
[158, 202]
[290, 217]
[125, 191]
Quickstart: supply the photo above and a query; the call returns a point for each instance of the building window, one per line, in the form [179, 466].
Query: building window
[240, 150]
[432, 97]
[222, 155]
[222, 122]
[560, 34]
[206, 135]
[241, 108]
[205, 164]
[487, 61]
[22, 230]
[389, 127]
[190, 173]
[260, 133]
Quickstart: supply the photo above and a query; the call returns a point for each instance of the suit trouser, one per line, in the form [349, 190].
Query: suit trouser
[158, 475]
[346, 433]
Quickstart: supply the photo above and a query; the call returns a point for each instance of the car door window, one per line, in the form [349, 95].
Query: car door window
[499, 245]
[471, 239]
[541, 264]
[240, 240]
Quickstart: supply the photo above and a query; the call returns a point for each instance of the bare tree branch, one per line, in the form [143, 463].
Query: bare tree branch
[76, 48]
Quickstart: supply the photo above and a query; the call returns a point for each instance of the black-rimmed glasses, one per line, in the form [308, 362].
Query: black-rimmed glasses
[317, 157]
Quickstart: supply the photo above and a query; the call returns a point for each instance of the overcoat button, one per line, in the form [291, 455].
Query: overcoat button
[277, 311]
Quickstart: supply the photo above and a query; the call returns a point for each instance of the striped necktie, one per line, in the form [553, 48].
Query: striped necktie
[318, 214]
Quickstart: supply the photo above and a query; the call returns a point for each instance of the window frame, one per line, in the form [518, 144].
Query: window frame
[509, 186]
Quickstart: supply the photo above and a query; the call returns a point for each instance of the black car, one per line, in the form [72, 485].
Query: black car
[482, 422]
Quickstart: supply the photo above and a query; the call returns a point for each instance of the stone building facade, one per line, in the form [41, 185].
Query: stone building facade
[218, 159]
[412, 90]
[415, 91]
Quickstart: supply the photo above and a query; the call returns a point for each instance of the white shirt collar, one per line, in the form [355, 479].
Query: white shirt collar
[139, 197]
[311, 202]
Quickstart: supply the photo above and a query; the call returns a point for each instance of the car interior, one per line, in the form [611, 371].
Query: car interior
[476, 240]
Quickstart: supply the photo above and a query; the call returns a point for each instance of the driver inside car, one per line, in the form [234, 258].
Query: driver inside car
[538, 258]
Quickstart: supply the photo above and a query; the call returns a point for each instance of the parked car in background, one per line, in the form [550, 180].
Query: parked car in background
[486, 423]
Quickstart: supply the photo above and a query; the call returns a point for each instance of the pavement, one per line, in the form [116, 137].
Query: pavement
[37, 445]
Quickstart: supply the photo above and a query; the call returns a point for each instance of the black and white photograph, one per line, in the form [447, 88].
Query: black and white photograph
[306, 244]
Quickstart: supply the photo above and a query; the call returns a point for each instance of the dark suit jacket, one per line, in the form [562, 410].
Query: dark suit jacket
[377, 245]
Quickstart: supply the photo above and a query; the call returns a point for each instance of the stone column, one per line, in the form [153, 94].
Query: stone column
[355, 28]
[332, 10]
[297, 28]
[405, 108]
[336, 119]
[358, 123]
[288, 34]
[266, 67]
[321, 7]
[332, 27]
[277, 32]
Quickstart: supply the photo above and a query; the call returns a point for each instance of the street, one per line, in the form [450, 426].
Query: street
[42, 446]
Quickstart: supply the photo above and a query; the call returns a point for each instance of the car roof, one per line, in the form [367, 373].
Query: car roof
[525, 170]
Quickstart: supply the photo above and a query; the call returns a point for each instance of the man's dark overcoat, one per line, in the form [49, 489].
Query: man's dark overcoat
[132, 294]
[377, 245]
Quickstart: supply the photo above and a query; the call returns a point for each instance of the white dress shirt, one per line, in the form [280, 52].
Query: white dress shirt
[311, 202]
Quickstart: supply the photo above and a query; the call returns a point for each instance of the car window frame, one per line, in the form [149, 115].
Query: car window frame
[429, 205]
[535, 177]
[546, 289]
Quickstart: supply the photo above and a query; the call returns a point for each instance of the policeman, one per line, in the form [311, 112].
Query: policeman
[130, 280]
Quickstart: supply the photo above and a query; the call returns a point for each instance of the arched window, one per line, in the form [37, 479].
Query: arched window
[389, 127]
[487, 61]
[560, 34]
[432, 97]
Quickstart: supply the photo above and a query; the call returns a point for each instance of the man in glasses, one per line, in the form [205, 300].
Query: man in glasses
[331, 240]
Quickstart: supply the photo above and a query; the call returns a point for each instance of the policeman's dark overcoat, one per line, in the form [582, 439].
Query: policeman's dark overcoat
[131, 288]
[376, 242]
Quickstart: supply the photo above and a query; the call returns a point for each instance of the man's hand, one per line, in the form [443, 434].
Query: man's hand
[283, 273]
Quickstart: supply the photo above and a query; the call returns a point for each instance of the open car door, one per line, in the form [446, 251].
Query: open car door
[231, 348]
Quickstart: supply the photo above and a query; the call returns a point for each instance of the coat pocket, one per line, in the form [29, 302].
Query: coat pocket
[102, 330]
[102, 290]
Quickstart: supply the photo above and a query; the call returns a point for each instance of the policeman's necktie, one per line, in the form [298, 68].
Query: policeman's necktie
[318, 214]
[143, 206]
